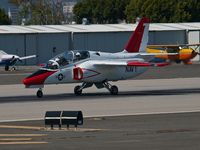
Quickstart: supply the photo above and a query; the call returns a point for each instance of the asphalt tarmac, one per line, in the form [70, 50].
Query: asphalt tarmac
[141, 132]
[170, 103]
[168, 72]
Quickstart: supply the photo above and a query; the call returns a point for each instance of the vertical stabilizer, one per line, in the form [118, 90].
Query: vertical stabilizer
[139, 38]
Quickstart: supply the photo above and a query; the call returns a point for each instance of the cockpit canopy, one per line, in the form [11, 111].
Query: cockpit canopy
[67, 58]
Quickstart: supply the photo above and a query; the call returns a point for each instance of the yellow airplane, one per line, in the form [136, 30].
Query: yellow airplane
[182, 53]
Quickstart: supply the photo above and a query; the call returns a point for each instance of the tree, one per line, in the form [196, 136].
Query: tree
[164, 10]
[40, 12]
[4, 19]
[100, 11]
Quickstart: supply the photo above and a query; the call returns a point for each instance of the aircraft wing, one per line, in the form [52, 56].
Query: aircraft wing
[27, 57]
[2, 52]
[156, 54]
[136, 63]
[172, 45]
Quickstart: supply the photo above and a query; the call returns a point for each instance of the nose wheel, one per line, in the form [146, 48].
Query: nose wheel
[39, 93]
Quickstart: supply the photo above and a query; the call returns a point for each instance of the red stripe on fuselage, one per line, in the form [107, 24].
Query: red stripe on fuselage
[37, 79]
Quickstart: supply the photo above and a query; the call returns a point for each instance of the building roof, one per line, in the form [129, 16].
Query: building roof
[95, 28]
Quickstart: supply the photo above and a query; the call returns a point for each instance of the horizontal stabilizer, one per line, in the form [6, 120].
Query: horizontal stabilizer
[156, 54]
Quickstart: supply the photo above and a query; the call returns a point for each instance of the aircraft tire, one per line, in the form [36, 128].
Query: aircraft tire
[13, 68]
[77, 91]
[6, 68]
[39, 94]
[114, 90]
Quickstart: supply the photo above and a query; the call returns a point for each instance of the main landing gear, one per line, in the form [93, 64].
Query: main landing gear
[39, 93]
[111, 88]
[78, 89]
[13, 68]
[6, 68]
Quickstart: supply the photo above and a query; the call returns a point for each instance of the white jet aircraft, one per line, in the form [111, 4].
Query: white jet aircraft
[97, 68]
[10, 59]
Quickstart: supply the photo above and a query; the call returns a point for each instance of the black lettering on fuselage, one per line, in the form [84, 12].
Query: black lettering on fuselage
[131, 69]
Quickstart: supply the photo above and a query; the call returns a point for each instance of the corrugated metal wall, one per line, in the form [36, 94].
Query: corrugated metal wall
[44, 45]
[47, 45]
[101, 41]
[115, 41]
[50, 45]
[12, 43]
[167, 37]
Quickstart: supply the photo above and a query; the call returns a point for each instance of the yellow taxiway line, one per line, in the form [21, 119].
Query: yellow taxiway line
[22, 135]
[21, 143]
[15, 139]
[21, 127]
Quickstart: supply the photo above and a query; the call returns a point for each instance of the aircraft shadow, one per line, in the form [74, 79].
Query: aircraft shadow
[93, 96]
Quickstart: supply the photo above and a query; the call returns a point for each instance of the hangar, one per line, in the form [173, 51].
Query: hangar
[49, 40]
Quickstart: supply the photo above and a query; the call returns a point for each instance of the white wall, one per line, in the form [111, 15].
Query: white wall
[193, 38]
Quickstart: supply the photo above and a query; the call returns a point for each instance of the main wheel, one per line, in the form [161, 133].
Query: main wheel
[77, 90]
[114, 90]
[13, 68]
[39, 94]
[6, 68]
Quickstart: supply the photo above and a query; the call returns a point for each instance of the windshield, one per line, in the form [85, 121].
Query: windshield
[67, 58]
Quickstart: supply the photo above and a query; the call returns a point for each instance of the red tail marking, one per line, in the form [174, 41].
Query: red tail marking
[135, 40]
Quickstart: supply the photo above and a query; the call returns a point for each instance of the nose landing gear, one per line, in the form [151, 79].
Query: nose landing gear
[39, 93]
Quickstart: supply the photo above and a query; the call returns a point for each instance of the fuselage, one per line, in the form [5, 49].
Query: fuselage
[7, 59]
[66, 68]
[184, 54]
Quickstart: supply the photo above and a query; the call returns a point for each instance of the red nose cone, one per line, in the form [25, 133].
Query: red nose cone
[26, 81]
[37, 78]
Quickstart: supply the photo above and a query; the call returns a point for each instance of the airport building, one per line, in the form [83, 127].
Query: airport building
[49, 40]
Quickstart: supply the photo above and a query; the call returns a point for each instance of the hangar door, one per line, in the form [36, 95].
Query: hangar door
[51, 44]
[30, 48]
[12, 43]
[101, 41]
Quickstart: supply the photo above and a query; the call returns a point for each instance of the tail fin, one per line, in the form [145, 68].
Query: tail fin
[139, 38]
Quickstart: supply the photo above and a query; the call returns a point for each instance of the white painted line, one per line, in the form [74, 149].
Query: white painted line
[111, 115]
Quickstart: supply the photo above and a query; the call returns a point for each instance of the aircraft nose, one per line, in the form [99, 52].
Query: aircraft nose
[31, 81]
[37, 78]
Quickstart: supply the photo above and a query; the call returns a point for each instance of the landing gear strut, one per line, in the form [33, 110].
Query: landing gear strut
[39, 93]
[112, 88]
[78, 89]
[12, 68]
